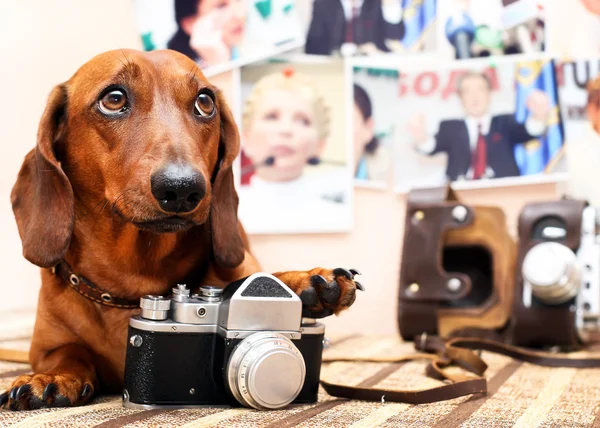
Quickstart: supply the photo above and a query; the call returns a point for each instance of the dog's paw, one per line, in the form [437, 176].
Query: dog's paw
[37, 391]
[324, 291]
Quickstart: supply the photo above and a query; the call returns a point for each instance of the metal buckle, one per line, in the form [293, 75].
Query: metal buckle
[423, 340]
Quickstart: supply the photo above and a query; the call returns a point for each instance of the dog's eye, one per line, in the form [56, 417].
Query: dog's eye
[113, 102]
[204, 105]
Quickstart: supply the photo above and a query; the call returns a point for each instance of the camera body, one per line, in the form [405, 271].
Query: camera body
[244, 345]
[457, 266]
[557, 280]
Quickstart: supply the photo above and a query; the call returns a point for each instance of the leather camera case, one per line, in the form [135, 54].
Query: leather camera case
[446, 241]
[540, 325]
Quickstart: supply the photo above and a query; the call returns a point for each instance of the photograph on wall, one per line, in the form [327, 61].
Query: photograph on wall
[373, 125]
[574, 29]
[368, 27]
[296, 172]
[220, 34]
[579, 92]
[485, 124]
[481, 28]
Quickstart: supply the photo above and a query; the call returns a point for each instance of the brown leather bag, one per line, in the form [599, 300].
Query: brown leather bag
[457, 267]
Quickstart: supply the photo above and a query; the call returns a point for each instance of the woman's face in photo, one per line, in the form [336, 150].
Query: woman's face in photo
[230, 14]
[284, 127]
[363, 133]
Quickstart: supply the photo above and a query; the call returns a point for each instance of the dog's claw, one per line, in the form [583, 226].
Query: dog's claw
[343, 272]
[13, 394]
[48, 391]
[318, 281]
[87, 389]
[309, 297]
[359, 286]
[23, 389]
[355, 272]
[3, 399]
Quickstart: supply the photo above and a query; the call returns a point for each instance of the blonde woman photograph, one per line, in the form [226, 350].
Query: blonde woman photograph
[295, 173]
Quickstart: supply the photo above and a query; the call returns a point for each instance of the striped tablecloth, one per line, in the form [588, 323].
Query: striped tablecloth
[520, 395]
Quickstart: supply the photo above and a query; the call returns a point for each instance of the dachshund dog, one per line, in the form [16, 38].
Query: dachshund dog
[130, 191]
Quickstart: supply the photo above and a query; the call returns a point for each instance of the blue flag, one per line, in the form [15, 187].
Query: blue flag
[418, 16]
[533, 157]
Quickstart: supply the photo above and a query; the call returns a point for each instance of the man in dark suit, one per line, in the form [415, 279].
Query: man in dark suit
[481, 145]
[358, 23]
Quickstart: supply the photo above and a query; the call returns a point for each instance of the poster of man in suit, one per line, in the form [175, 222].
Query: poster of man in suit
[489, 123]
[366, 27]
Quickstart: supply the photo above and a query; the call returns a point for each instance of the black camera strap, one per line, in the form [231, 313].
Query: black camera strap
[442, 354]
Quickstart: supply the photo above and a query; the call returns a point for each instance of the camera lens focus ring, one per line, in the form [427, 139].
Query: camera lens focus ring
[266, 371]
[553, 271]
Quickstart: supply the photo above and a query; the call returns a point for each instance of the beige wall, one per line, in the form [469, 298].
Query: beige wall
[44, 43]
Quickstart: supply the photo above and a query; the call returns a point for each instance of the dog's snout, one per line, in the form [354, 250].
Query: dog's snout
[178, 188]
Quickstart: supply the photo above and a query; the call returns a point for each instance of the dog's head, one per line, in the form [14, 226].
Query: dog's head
[142, 134]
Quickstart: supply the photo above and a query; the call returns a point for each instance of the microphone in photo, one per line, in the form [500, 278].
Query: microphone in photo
[460, 31]
[314, 161]
[270, 161]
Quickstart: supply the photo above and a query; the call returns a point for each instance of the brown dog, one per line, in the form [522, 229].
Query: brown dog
[128, 192]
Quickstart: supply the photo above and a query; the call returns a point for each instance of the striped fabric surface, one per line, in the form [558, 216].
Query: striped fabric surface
[520, 395]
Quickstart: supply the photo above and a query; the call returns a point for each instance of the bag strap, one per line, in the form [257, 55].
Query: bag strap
[458, 385]
[457, 351]
[435, 344]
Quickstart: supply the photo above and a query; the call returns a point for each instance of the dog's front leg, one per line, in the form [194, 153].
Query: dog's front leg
[64, 377]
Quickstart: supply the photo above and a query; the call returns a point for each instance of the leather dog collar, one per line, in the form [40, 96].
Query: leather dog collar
[90, 291]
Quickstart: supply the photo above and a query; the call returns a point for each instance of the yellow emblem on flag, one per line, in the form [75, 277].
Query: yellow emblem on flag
[553, 117]
[532, 145]
[411, 10]
[528, 72]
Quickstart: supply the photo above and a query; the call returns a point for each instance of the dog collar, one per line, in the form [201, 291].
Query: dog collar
[90, 291]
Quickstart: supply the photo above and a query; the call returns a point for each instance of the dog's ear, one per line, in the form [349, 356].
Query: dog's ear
[42, 197]
[228, 246]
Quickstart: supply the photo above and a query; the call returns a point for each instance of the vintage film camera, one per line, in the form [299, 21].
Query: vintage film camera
[457, 267]
[246, 344]
[557, 284]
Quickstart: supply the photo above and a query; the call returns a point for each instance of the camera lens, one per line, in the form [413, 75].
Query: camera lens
[553, 271]
[266, 371]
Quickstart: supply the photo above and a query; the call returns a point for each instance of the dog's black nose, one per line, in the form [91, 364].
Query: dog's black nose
[178, 188]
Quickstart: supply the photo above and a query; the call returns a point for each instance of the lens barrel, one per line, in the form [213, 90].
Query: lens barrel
[553, 271]
[266, 371]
